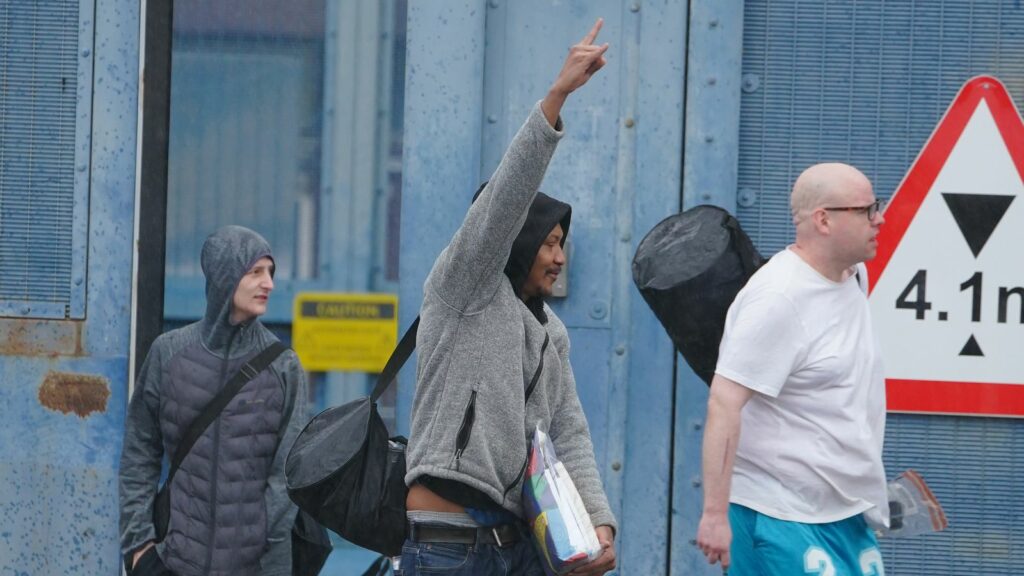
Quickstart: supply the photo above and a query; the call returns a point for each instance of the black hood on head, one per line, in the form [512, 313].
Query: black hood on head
[227, 255]
[545, 213]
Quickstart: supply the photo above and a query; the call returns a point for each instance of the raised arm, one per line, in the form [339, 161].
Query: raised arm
[469, 270]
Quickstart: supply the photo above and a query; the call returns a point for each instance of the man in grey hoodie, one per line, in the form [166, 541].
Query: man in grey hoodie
[229, 512]
[494, 364]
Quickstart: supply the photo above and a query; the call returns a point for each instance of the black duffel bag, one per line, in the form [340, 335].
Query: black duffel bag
[346, 473]
[689, 268]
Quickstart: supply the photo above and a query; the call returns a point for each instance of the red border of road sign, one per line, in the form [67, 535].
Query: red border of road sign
[975, 398]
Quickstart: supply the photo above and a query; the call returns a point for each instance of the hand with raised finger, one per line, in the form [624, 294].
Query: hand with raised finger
[584, 60]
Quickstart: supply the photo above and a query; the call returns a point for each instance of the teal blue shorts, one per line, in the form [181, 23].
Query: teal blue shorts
[764, 546]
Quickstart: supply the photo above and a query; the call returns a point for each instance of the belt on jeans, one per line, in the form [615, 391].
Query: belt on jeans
[500, 536]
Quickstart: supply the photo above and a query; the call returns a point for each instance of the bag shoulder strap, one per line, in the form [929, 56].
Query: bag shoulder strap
[398, 359]
[404, 349]
[247, 372]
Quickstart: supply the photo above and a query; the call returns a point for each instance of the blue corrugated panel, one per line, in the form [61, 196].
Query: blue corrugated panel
[38, 95]
[973, 467]
[858, 82]
[866, 83]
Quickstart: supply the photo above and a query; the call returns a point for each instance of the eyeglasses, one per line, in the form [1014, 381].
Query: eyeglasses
[870, 210]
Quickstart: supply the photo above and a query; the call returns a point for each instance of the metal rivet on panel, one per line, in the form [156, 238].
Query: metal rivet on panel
[616, 466]
[751, 82]
[620, 349]
[598, 310]
[635, 7]
[491, 118]
[629, 123]
[747, 197]
[709, 138]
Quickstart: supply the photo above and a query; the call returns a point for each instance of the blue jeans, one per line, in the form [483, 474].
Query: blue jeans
[519, 559]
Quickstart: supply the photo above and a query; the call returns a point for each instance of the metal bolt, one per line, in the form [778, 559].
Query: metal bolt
[629, 123]
[85, 53]
[713, 23]
[698, 425]
[491, 118]
[25, 310]
[696, 482]
[78, 281]
[616, 466]
[626, 237]
[635, 7]
[750, 83]
[705, 196]
[712, 81]
[747, 197]
[81, 167]
[620, 349]
[598, 310]
[693, 541]
[493, 3]
[709, 138]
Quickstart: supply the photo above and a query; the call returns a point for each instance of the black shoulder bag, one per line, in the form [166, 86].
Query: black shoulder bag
[346, 473]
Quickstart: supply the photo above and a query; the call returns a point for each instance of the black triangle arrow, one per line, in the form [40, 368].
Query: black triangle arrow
[977, 215]
[971, 348]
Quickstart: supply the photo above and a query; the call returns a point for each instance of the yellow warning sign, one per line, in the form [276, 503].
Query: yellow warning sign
[344, 331]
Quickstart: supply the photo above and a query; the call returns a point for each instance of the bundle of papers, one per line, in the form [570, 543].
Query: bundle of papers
[561, 527]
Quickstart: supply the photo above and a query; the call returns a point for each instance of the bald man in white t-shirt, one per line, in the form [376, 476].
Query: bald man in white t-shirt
[793, 475]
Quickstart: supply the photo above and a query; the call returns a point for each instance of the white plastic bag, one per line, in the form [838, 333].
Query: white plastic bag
[561, 527]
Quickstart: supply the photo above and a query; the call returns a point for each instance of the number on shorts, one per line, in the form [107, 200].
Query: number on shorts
[819, 563]
[871, 562]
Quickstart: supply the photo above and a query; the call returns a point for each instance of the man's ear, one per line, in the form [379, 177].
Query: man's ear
[822, 223]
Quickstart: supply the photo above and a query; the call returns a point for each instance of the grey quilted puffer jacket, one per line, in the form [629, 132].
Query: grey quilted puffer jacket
[230, 513]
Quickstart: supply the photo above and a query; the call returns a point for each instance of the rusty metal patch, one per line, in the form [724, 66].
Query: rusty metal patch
[43, 338]
[82, 394]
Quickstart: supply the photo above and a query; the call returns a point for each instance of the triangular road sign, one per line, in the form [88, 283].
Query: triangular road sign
[948, 280]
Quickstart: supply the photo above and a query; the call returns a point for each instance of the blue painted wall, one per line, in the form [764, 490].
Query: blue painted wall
[661, 128]
[58, 469]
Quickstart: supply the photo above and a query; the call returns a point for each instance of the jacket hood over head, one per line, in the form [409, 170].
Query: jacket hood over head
[544, 214]
[227, 255]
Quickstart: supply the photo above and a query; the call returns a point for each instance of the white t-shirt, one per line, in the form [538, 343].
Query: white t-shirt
[810, 447]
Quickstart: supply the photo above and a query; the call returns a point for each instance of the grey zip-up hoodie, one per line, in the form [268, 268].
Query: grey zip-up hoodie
[480, 344]
[230, 513]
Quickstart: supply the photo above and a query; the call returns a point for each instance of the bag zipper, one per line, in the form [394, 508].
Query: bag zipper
[465, 429]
